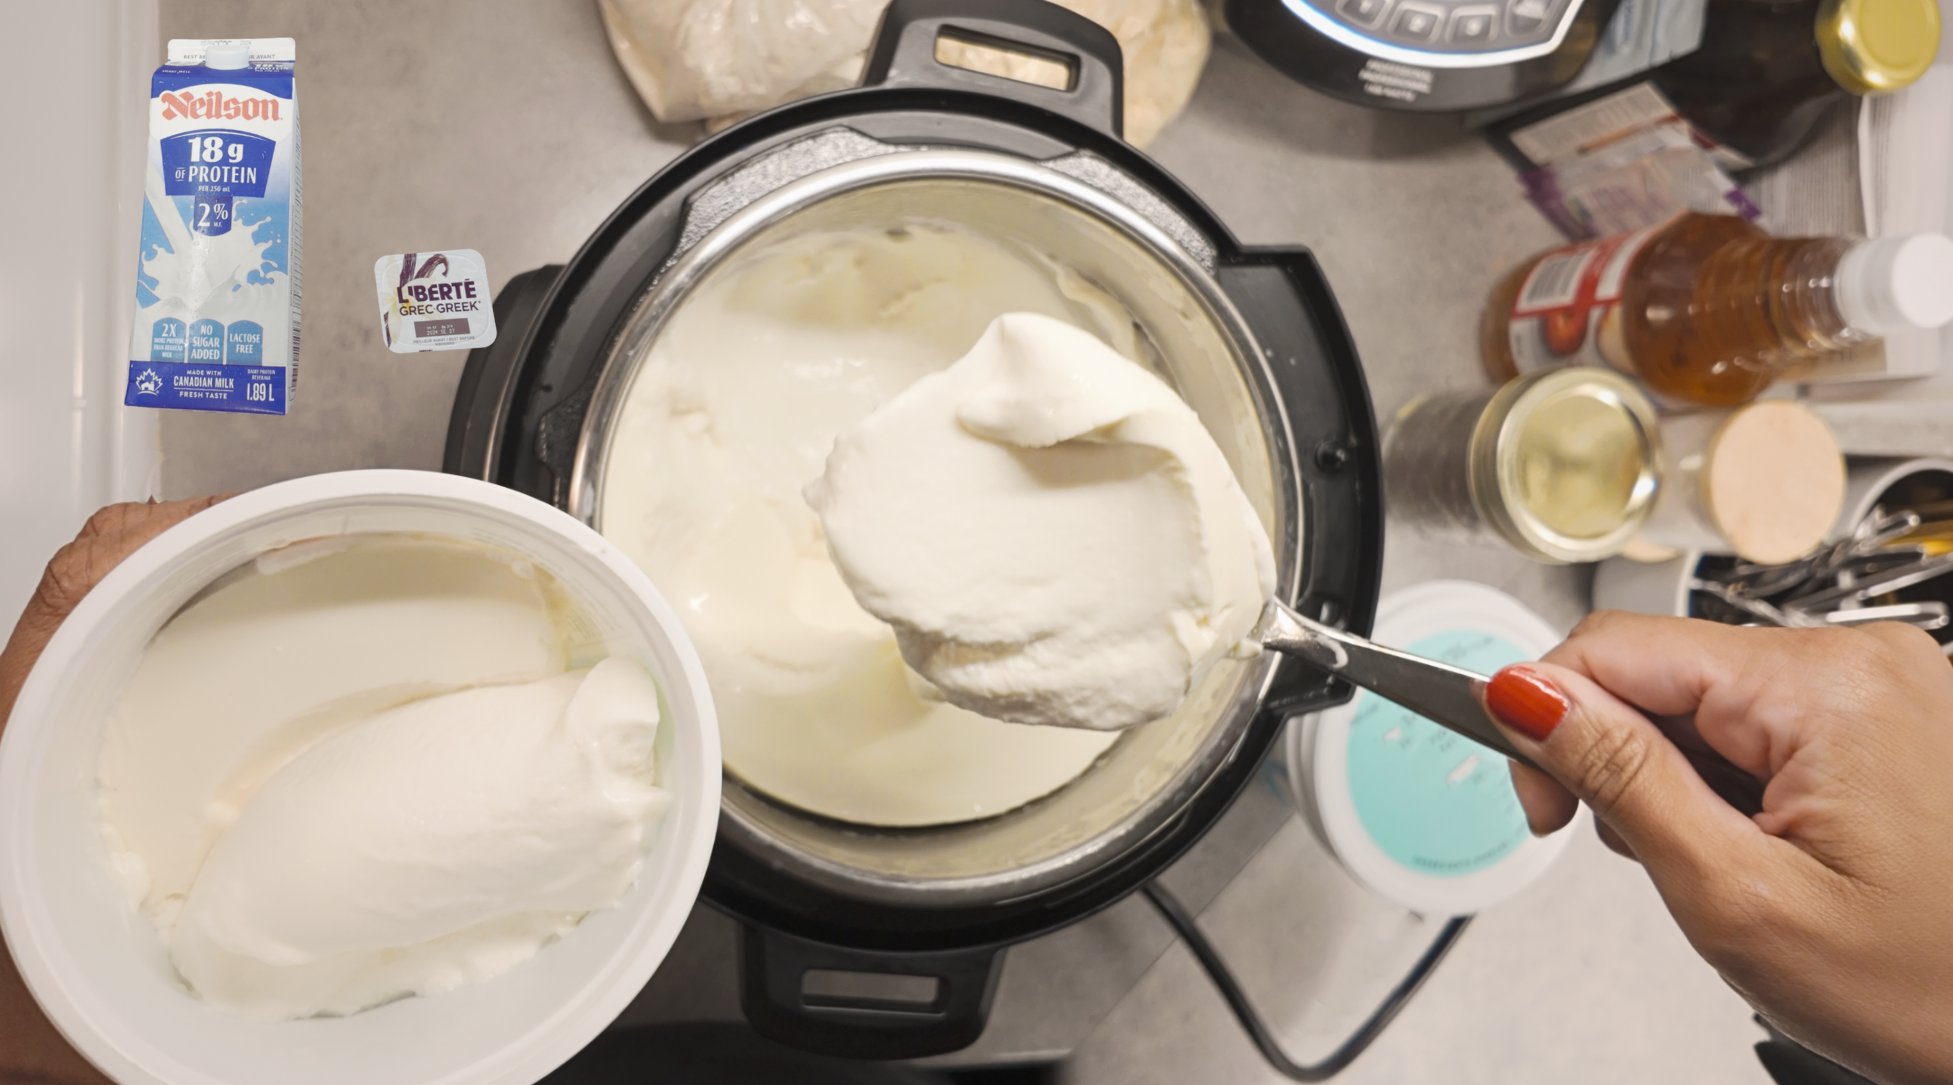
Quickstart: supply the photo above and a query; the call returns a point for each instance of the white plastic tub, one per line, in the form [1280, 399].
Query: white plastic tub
[1421, 816]
[98, 968]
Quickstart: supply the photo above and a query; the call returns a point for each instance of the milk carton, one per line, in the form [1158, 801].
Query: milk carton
[217, 292]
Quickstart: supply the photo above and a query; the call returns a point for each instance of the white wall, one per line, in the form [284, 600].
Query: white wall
[76, 82]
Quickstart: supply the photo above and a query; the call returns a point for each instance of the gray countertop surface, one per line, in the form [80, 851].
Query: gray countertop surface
[505, 126]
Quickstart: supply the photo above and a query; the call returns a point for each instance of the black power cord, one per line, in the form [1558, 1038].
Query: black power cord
[1182, 922]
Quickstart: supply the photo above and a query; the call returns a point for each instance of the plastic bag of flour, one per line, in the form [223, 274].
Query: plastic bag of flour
[717, 60]
[700, 59]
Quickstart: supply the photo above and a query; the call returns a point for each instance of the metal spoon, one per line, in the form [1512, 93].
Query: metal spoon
[1929, 615]
[1444, 694]
[1439, 692]
[1890, 580]
[1870, 544]
[1755, 608]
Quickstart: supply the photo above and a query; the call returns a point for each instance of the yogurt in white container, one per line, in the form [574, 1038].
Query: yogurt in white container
[99, 969]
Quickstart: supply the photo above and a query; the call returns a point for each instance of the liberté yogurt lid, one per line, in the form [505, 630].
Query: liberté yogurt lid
[434, 301]
[1418, 813]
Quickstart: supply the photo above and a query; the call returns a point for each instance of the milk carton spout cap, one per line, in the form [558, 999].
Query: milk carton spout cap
[228, 54]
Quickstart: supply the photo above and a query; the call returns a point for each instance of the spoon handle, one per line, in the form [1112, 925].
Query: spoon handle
[1445, 694]
[1439, 692]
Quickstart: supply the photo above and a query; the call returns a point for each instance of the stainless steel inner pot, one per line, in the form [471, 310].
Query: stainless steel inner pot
[1085, 214]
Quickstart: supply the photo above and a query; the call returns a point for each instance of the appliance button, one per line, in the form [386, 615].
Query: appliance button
[1473, 26]
[1414, 23]
[1526, 17]
[1364, 13]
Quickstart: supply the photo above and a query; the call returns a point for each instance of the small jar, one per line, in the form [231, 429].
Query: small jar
[1563, 465]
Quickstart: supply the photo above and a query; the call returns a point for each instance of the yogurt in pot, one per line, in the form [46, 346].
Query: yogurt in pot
[731, 416]
[1051, 532]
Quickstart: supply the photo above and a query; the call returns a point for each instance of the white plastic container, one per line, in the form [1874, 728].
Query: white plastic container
[1420, 815]
[98, 968]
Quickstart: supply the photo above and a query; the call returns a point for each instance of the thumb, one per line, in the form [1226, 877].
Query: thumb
[1617, 761]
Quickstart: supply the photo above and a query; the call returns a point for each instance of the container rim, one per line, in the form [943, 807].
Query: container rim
[26, 921]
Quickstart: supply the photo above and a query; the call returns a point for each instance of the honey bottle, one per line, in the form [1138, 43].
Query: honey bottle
[1709, 309]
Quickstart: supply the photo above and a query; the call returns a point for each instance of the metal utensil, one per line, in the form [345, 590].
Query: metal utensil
[1867, 548]
[1767, 612]
[1764, 581]
[1905, 576]
[1444, 694]
[1885, 527]
[1879, 561]
[1928, 615]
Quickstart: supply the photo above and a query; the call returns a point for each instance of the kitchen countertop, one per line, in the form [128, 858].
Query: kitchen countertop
[505, 126]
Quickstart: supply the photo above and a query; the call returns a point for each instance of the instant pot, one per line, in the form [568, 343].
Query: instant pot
[1250, 336]
[1423, 55]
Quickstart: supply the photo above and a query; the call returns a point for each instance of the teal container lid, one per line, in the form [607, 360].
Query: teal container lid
[1416, 812]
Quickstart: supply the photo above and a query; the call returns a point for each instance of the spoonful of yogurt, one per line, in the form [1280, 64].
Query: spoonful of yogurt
[1056, 539]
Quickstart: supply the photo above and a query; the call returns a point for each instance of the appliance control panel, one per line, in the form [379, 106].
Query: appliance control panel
[1429, 55]
[1460, 28]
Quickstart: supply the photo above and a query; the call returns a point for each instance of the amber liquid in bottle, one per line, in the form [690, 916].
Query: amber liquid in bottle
[1711, 310]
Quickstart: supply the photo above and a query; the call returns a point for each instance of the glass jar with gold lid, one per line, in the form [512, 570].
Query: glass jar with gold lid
[1562, 465]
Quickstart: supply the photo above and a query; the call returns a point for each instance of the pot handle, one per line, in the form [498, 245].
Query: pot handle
[817, 998]
[490, 377]
[904, 54]
[1314, 365]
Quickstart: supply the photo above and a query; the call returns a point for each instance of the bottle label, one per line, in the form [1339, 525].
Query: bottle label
[1608, 120]
[1568, 309]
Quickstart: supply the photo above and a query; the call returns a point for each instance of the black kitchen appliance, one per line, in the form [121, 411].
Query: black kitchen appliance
[528, 406]
[1427, 55]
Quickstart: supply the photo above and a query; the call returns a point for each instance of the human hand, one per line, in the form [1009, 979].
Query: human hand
[34, 1051]
[1831, 910]
[110, 535]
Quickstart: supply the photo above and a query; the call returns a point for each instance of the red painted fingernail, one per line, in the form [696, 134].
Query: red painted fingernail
[1526, 702]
